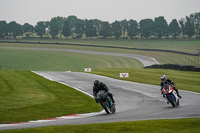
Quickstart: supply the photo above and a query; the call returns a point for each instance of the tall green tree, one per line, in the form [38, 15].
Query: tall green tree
[97, 25]
[174, 28]
[160, 27]
[14, 29]
[27, 29]
[72, 20]
[146, 27]
[40, 28]
[47, 29]
[195, 18]
[90, 30]
[189, 27]
[66, 29]
[133, 28]
[182, 24]
[105, 30]
[3, 29]
[80, 28]
[116, 29]
[124, 25]
[56, 26]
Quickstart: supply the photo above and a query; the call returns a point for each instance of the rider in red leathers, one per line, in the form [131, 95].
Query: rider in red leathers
[164, 80]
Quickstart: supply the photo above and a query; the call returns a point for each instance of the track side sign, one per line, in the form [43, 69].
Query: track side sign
[124, 75]
[88, 69]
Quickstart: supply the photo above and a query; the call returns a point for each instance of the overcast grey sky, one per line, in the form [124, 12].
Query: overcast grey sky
[32, 11]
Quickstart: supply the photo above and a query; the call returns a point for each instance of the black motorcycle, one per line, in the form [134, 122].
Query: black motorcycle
[106, 102]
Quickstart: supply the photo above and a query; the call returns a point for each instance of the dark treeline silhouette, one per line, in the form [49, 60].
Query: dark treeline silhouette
[73, 27]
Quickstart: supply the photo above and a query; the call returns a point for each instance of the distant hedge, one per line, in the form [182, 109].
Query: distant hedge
[176, 67]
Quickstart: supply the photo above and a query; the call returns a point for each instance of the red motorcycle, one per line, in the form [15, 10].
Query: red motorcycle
[170, 95]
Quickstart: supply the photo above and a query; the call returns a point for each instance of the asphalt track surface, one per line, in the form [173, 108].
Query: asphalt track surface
[134, 101]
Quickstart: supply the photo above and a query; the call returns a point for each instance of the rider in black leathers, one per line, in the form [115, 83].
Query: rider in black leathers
[101, 86]
[164, 80]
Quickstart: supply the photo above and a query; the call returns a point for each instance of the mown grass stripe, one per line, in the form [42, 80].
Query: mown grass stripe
[42, 98]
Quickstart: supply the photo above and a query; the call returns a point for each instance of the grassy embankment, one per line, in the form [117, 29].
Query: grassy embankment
[176, 45]
[60, 61]
[161, 57]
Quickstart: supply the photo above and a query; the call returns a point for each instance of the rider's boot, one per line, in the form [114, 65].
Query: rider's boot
[113, 103]
[177, 92]
[113, 100]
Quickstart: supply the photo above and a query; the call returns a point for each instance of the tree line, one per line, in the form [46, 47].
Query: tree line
[73, 27]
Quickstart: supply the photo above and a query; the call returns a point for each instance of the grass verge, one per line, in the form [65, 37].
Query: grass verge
[184, 80]
[153, 126]
[25, 96]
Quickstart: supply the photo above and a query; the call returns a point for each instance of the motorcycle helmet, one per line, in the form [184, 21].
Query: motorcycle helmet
[163, 78]
[96, 83]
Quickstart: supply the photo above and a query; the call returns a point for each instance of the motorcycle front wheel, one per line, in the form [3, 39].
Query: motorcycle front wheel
[171, 101]
[105, 107]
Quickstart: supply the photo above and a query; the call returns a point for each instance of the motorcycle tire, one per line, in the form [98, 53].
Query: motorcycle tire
[172, 101]
[106, 108]
[113, 109]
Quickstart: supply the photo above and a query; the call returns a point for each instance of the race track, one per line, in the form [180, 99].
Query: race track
[134, 101]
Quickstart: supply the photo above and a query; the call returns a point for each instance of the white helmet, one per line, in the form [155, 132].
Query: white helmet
[163, 78]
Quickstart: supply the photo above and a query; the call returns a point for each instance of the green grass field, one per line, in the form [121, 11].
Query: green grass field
[161, 57]
[60, 61]
[183, 46]
[153, 126]
[188, 46]
[25, 96]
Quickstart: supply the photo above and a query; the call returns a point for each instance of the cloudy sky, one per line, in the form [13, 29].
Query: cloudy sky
[32, 11]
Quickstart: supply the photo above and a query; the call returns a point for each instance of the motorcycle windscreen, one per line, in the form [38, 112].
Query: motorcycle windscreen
[166, 86]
